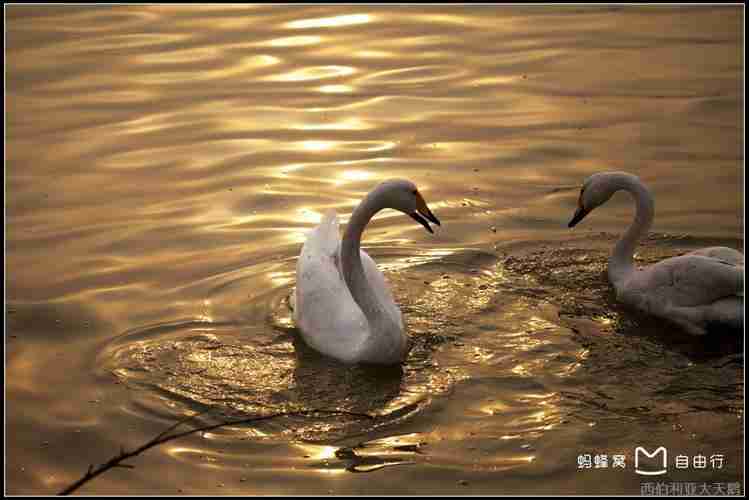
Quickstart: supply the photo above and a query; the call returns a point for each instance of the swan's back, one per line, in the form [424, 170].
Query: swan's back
[329, 319]
[725, 254]
[694, 290]
[688, 280]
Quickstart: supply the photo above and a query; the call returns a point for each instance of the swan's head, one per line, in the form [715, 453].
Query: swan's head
[404, 196]
[596, 190]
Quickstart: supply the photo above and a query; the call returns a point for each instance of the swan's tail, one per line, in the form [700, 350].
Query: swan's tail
[724, 314]
[325, 238]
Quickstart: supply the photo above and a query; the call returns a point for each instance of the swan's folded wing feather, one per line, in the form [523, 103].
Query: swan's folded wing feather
[379, 284]
[327, 315]
[699, 280]
[725, 254]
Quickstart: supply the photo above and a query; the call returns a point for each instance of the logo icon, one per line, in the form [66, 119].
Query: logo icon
[660, 451]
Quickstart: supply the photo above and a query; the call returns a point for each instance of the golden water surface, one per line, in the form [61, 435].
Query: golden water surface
[164, 163]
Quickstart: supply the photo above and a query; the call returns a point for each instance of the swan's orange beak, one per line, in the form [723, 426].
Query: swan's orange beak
[423, 214]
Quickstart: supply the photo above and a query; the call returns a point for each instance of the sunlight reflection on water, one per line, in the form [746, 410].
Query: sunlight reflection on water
[165, 163]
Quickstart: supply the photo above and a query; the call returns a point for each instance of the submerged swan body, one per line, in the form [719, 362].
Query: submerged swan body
[694, 290]
[343, 306]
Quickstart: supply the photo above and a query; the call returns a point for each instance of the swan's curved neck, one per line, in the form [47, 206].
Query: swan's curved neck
[621, 262]
[351, 264]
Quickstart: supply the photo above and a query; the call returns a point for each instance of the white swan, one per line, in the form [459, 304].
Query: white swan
[693, 290]
[342, 304]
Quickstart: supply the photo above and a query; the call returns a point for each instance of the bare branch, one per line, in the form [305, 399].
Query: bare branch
[165, 436]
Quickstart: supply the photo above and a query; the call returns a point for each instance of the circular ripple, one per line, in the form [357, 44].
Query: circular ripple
[238, 369]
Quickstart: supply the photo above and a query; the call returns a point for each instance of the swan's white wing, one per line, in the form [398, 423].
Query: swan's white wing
[379, 284]
[725, 254]
[689, 280]
[327, 315]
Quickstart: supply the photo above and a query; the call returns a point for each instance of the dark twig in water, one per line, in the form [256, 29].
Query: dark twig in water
[165, 436]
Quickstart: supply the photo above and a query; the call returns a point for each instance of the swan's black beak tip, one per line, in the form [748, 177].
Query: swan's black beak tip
[580, 214]
[422, 214]
[421, 220]
[431, 217]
